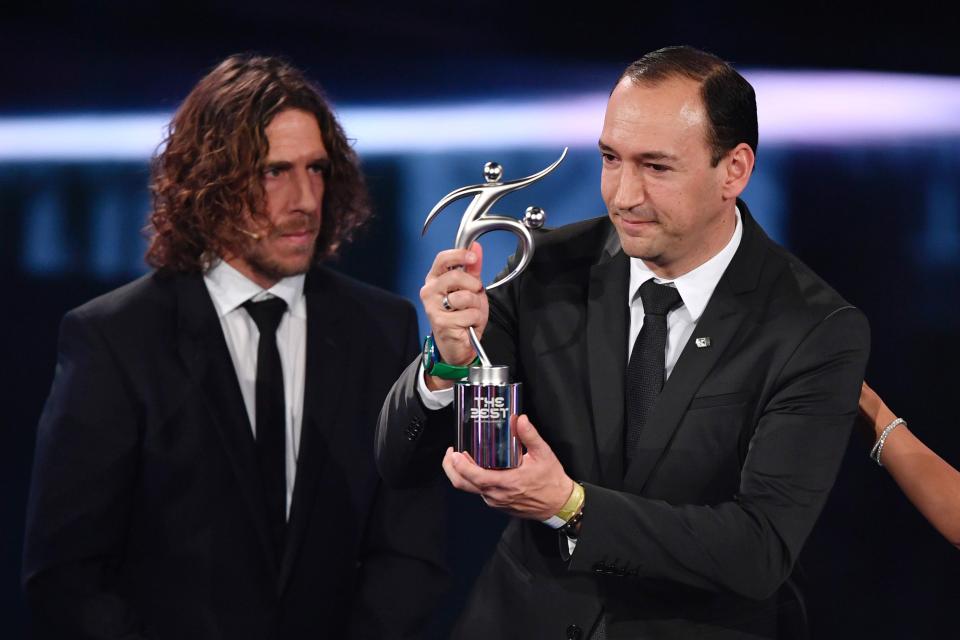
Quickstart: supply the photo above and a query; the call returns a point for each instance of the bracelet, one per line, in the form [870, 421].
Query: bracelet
[572, 505]
[878, 447]
[569, 510]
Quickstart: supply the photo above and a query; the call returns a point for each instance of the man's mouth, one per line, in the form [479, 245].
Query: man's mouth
[296, 232]
[296, 237]
[635, 222]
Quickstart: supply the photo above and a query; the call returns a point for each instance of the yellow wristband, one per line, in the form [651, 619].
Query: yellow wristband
[573, 504]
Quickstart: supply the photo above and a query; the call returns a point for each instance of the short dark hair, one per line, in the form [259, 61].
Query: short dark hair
[729, 99]
[209, 170]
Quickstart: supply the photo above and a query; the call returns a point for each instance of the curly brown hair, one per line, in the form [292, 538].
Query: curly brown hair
[208, 173]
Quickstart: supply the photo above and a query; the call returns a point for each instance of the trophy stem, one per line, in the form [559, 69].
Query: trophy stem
[475, 341]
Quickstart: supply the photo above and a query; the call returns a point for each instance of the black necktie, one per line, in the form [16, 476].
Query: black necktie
[647, 360]
[271, 416]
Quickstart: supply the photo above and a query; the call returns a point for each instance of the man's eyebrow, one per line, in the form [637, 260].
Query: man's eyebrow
[646, 155]
[286, 165]
[657, 155]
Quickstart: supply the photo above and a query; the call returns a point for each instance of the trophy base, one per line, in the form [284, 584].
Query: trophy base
[487, 423]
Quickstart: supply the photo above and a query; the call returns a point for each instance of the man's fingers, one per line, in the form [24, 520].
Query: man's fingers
[485, 480]
[536, 446]
[455, 322]
[473, 268]
[451, 259]
[456, 478]
[435, 288]
[453, 280]
[463, 299]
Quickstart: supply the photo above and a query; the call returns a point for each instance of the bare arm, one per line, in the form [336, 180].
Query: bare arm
[932, 485]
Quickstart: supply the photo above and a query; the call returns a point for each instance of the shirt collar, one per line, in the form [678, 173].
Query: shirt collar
[229, 289]
[695, 286]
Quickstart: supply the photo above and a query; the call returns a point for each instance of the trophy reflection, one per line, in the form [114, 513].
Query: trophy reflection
[487, 403]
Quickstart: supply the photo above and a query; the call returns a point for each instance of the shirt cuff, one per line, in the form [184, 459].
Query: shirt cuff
[555, 523]
[433, 400]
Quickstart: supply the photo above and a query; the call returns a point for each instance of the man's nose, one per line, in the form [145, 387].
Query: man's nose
[631, 189]
[308, 191]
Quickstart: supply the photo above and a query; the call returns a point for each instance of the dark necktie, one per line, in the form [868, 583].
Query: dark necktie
[647, 360]
[271, 416]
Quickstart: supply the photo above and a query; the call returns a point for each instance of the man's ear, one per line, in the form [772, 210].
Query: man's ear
[738, 167]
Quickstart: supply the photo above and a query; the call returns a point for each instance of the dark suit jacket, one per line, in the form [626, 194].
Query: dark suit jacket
[146, 517]
[698, 535]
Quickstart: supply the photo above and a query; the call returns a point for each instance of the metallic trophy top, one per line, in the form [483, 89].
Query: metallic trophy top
[477, 221]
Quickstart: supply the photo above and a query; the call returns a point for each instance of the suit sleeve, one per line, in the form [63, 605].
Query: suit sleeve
[411, 439]
[81, 494]
[404, 569]
[749, 544]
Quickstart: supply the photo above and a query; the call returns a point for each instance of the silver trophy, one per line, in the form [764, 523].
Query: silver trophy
[487, 403]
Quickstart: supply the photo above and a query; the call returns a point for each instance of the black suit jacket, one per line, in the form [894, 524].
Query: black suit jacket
[697, 536]
[145, 515]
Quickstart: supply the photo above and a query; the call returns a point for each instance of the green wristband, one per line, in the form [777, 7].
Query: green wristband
[434, 365]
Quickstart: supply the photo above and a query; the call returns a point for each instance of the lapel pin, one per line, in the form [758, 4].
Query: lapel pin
[702, 343]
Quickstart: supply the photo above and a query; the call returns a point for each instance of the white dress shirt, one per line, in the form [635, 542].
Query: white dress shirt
[695, 287]
[229, 289]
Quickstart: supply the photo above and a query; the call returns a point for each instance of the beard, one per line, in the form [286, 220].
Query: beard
[269, 261]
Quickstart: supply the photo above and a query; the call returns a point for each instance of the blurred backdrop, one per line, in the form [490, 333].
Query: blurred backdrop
[858, 174]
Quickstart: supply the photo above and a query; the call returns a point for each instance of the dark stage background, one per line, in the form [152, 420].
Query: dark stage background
[877, 213]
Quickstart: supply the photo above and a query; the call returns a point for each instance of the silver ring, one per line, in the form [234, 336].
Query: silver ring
[445, 303]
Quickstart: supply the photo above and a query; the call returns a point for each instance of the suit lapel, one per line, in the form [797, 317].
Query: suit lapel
[607, 331]
[203, 349]
[720, 322]
[327, 355]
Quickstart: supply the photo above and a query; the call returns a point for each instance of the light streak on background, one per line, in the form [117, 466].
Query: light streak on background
[795, 108]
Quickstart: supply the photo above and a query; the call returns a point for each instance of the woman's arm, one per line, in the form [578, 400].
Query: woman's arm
[932, 485]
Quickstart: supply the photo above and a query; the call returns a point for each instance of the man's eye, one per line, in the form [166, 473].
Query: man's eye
[608, 157]
[659, 168]
[319, 168]
[272, 172]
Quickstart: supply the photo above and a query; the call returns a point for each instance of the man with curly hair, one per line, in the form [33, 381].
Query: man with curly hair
[204, 462]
